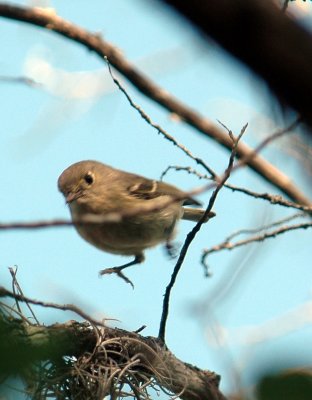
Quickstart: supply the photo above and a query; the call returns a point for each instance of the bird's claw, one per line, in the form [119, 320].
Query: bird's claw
[117, 271]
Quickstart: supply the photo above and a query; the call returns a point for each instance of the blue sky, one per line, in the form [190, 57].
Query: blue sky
[77, 113]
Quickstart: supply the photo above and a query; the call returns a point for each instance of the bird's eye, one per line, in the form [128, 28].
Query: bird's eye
[89, 178]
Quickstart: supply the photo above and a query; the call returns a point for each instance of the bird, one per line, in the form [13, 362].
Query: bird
[131, 213]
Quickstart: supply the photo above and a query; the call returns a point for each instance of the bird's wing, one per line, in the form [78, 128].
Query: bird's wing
[148, 189]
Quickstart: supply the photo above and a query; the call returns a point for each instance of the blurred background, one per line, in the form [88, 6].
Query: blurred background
[255, 310]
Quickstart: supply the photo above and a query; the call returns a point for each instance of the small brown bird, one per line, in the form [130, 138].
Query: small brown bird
[146, 211]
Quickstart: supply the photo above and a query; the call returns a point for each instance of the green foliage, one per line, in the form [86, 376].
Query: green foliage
[293, 385]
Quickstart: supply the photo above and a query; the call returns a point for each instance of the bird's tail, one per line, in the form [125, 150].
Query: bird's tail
[196, 214]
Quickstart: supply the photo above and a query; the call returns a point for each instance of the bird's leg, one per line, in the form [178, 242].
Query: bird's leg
[139, 258]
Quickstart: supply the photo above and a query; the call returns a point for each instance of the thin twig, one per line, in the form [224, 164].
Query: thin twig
[158, 128]
[13, 275]
[264, 227]
[259, 238]
[16, 285]
[64, 307]
[11, 310]
[269, 139]
[273, 199]
[191, 235]
[37, 224]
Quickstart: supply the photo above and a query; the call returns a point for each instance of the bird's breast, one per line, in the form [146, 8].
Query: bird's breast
[130, 235]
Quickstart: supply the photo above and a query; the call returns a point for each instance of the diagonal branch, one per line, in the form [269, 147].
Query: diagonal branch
[158, 128]
[191, 235]
[93, 42]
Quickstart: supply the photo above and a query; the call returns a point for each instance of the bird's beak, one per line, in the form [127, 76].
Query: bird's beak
[72, 196]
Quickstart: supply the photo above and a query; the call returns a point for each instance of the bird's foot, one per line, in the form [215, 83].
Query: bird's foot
[118, 270]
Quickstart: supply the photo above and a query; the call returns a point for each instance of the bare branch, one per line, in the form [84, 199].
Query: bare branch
[226, 245]
[158, 128]
[64, 307]
[269, 139]
[104, 49]
[191, 235]
[271, 198]
[36, 224]
[264, 227]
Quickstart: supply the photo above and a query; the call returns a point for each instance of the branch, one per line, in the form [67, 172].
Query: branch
[158, 128]
[82, 358]
[268, 41]
[271, 198]
[64, 307]
[93, 42]
[227, 245]
[191, 235]
[264, 227]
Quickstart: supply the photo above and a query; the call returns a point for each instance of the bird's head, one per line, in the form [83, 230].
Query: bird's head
[78, 180]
